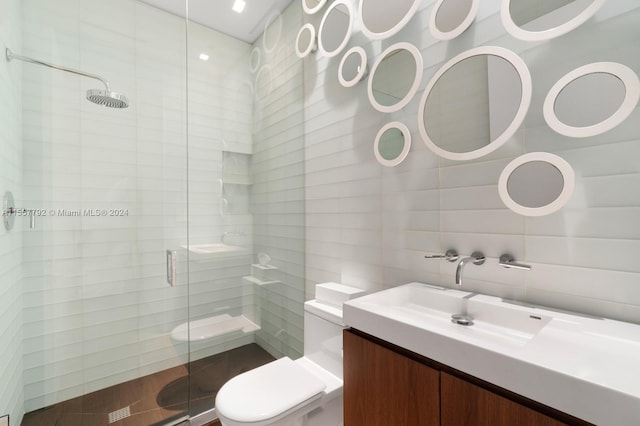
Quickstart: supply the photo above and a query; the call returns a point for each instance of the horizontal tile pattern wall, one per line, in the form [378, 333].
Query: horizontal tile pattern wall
[277, 194]
[11, 329]
[370, 226]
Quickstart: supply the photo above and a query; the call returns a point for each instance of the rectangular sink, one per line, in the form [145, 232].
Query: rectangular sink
[429, 307]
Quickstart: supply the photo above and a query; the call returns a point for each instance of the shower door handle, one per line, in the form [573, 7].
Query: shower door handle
[171, 267]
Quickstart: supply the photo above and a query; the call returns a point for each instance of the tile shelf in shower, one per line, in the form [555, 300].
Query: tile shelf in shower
[257, 281]
[206, 252]
[211, 327]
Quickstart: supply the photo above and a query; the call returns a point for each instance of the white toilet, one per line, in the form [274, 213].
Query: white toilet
[304, 392]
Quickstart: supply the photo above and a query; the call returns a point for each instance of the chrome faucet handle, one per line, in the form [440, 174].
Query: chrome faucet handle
[478, 258]
[451, 255]
[508, 261]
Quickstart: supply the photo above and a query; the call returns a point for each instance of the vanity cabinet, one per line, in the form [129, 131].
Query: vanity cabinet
[387, 385]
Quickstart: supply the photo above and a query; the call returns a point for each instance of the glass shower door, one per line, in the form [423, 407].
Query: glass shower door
[101, 301]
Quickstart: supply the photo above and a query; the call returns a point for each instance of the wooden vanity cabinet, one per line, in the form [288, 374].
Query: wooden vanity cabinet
[385, 385]
[384, 388]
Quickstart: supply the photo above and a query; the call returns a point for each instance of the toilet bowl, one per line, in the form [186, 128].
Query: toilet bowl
[304, 392]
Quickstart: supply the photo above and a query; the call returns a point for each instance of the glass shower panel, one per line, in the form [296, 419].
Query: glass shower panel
[246, 194]
[98, 310]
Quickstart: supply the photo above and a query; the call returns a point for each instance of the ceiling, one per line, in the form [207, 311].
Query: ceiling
[219, 15]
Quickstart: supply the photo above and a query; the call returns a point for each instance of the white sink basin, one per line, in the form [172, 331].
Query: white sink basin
[423, 305]
[546, 355]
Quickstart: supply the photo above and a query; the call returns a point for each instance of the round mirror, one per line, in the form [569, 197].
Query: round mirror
[305, 41]
[254, 59]
[383, 18]
[450, 18]
[263, 82]
[272, 32]
[392, 144]
[395, 77]
[536, 184]
[335, 28]
[475, 103]
[312, 6]
[353, 66]
[592, 99]
[542, 20]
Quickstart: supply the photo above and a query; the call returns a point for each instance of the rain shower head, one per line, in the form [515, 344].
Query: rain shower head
[100, 97]
[107, 98]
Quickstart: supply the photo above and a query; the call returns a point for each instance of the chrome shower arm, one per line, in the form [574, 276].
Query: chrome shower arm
[10, 56]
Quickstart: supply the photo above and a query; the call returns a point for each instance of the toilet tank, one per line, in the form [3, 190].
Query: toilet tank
[323, 325]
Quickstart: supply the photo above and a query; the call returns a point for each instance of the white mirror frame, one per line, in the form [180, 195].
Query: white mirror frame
[356, 50]
[449, 35]
[275, 19]
[632, 95]
[313, 45]
[406, 134]
[416, 82]
[310, 10]
[393, 30]
[559, 163]
[254, 59]
[349, 6]
[570, 25]
[527, 90]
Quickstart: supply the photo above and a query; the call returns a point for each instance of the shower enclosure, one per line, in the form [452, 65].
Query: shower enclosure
[154, 246]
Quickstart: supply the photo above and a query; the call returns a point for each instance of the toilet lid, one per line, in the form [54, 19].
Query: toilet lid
[267, 391]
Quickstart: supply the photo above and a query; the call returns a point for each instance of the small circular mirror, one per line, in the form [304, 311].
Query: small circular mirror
[395, 77]
[392, 144]
[254, 59]
[312, 6]
[475, 103]
[335, 28]
[450, 18]
[383, 18]
[592, 99]
[536, 184]
[353, 66]
[305, 41]
[272, 32]
[544, 20]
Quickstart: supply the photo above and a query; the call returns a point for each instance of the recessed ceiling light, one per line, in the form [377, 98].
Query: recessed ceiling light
[204, 56]
[239, 5]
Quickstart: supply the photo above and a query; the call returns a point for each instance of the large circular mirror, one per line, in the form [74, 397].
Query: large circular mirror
[335, 28]
[353, 66]
[383, 18]
[306, 41]
[536, 184]
[450, 18]
[535, 20]
[475, 103]
[592, 99]
[392, 144]
[312, 6]
[272, 32]
[395, 77]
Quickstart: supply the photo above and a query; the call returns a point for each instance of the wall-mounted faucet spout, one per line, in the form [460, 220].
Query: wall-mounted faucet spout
[477, 258]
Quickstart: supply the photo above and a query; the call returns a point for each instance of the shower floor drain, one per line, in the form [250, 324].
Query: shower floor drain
[120, 414]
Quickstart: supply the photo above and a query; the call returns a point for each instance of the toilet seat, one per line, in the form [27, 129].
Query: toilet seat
[268, 393]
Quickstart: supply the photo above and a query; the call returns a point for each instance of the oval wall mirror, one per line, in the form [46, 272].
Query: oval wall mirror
[395, 77]
[272, 32]
[450, 18]
[335, 28]
[535, 20]
[592, 99]
[475, 103]
[383, 18]
[312, 6]
[353, 67]
[263, 82]
[392, 144]
[536, 184]
[306, 41]
[254, 59]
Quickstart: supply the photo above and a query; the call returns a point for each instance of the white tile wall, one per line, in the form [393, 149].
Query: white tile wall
[369, 225]
[11, 299]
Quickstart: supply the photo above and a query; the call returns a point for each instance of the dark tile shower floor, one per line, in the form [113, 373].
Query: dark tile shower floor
[155, 399]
